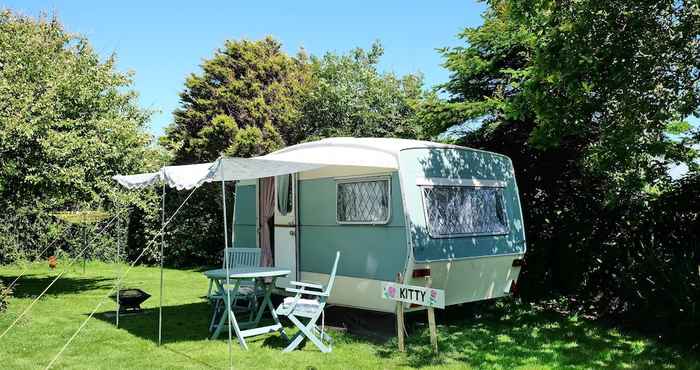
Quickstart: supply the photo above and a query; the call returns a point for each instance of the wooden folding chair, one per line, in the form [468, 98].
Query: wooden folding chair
[238, 257]
[310, 308]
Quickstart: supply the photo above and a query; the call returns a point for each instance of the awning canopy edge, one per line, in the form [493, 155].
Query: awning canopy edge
[227, 169]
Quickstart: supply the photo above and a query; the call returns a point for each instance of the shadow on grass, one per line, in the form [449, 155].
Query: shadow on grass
[512, 335]
[186, 322]
[376, 327]
[30, 286]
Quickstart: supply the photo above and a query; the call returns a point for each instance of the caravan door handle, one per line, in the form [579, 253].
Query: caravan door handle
[292, 232]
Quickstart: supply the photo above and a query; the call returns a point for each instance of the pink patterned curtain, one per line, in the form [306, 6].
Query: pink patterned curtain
[267, 214]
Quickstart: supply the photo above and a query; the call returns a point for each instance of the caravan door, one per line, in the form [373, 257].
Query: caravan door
[286, 255]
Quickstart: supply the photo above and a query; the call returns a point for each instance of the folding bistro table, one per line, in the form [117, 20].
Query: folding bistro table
[236, 275]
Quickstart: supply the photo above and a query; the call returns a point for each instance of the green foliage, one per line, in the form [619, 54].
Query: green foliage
[484, 75]
[251, 99]
[217, 135]
[68, 122]
[253, 141]
[348, 96]
[617, 72]
[244, 103]
[613, 75]
[656, 260]
[82, 217]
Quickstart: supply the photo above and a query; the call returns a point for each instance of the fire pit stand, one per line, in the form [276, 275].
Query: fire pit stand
[130, 300]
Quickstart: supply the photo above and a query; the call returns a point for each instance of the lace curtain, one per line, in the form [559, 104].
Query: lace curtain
[460, 210]
[267, 212]
[363, 201]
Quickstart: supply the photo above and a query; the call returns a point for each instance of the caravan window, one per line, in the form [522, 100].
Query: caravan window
[285, 194]
[363, 201]
[464, 210]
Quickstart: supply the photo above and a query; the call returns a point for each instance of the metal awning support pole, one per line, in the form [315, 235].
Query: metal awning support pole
[85, 242]
[233, 216]
[162, 247]
[227, 306]
[119, 235]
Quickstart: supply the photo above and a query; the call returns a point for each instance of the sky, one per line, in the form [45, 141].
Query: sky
[162, 42]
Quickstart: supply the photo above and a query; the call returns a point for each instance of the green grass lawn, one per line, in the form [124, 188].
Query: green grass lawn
[500, 336]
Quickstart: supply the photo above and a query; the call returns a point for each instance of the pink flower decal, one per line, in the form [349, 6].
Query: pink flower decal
[392, 291]
[433, 294]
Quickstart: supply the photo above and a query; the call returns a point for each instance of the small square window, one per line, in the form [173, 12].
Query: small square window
[364, 201]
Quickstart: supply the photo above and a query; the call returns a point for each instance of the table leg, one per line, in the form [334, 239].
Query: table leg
[267, 303]
[234, 323]
[209, 290]
[263, 304]
[219, 286]
[258, 284]
[222, 319]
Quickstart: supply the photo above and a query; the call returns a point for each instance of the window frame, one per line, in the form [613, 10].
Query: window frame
[292, 195]
[423, 183]
[347, 180]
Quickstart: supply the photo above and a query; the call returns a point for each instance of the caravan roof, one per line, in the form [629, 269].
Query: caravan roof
[350, 151]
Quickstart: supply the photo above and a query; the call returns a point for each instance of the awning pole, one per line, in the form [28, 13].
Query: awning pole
[162, 247]
[119, 229]
[85, 243]
[227, 306]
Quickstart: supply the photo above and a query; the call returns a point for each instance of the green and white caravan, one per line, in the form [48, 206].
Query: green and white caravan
[389, 206]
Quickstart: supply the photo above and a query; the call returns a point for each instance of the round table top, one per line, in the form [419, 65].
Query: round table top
[247, 272]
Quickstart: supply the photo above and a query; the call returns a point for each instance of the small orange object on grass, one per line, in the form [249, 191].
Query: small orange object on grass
[52, 262]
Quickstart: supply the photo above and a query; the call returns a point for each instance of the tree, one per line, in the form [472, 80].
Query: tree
[68, 122]
[252, 99]
[244, 103]
[348, 96]
[618, 75]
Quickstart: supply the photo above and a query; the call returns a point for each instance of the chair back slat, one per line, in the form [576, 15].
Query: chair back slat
[243, 257]
[331, 280]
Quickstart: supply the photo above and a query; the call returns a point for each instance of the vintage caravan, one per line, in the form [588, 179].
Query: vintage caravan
[389, 206]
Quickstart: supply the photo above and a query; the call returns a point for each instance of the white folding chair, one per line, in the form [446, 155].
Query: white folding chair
[238, 257]
[310, 308]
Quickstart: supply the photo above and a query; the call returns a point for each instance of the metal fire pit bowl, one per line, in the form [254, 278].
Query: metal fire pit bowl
[130, 300]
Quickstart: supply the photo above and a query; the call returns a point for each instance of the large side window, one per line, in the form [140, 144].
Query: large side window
[464, 210]
[363, 201]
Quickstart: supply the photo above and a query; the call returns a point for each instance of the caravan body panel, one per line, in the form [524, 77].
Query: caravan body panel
[245, 219]
[368, 251]
[469, 266]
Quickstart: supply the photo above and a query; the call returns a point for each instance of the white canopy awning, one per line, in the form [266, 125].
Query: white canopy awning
[254, 168]
[363, 152]
[137, 181]
[179, 177]
[193, 175]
